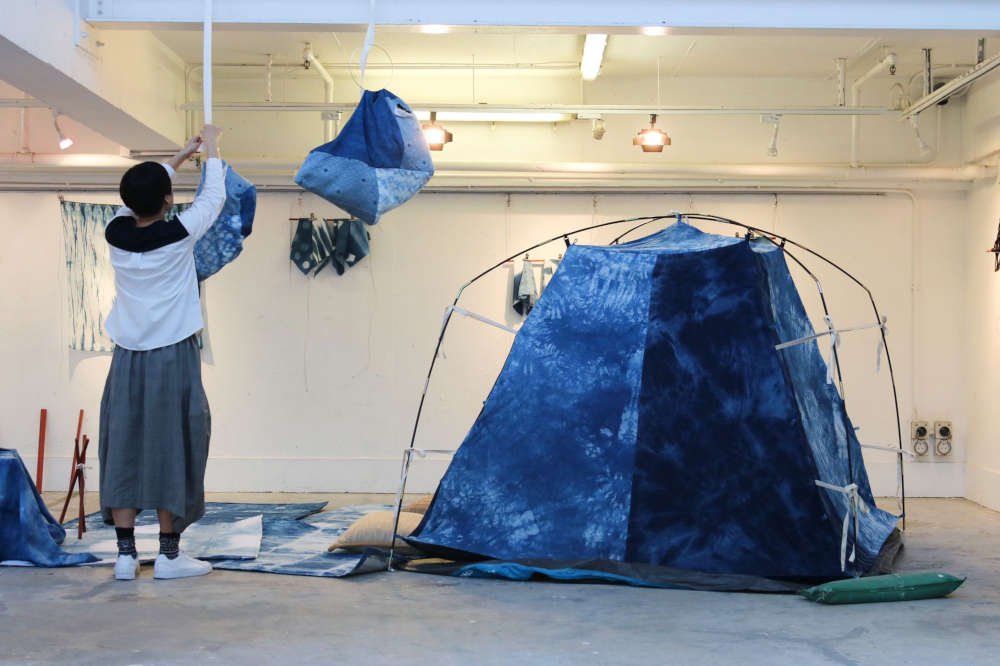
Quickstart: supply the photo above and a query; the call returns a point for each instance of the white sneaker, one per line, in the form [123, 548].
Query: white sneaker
[126, 567]
[181, 566]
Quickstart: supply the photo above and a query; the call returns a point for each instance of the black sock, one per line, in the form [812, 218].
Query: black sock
[126, 541]
[170, 544]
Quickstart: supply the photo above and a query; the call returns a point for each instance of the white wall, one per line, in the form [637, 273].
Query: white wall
[314, 383]
[981, 140]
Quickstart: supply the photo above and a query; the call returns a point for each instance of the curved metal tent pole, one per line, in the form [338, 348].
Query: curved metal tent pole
[643, 221]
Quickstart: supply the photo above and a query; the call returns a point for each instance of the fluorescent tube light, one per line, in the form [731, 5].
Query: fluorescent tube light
[593, 56]
[498, 116]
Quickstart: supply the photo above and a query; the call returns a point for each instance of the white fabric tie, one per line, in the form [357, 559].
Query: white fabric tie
[366, 47]
[206, 72]
[891, 449]
[477, 317]
[854, 505]
[881, 343]
[834, 334]
[834, 343]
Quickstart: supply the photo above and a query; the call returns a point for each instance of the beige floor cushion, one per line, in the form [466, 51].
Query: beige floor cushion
[419, 506]
[375, 531]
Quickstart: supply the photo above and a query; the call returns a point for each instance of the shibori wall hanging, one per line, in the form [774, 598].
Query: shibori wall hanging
[378, 161]
[223, 241]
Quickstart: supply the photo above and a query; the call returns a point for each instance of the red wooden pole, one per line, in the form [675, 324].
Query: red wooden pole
[73, 471]
[41, 449]
[81, 524]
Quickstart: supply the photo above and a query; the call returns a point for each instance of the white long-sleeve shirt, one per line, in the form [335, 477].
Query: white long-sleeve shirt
[157, 302]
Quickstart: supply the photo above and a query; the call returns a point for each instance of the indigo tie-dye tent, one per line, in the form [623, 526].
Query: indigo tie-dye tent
[644, 415]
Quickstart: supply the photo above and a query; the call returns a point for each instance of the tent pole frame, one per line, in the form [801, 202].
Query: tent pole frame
[643, 221]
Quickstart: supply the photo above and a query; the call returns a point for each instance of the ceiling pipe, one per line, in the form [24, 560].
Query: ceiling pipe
[955, 85]
[888, 62]
[20, 166]
[311, 59]
[578, 109]
[841, 81]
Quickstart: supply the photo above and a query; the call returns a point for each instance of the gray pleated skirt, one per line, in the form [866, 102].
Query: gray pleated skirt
[154, 432]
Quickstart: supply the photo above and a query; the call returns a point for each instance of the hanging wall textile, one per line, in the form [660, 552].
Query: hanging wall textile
[317, 243]
[377, 162]
[223, 241]
[90, 279]
[525, 292]
[28, 532]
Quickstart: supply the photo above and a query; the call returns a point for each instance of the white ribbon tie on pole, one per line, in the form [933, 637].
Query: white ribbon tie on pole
[854, 505]
[834, 334]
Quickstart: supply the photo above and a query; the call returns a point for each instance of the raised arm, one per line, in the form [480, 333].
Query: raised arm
[208, 204]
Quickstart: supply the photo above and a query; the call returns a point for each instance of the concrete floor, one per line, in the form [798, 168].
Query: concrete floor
[81, 616]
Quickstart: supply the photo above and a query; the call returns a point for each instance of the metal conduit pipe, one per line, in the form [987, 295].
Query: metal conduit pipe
[888, 62]
[565, 171]
[310, 58]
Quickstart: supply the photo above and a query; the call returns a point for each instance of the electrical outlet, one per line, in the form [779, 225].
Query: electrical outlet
[919, 434]
[943, 435]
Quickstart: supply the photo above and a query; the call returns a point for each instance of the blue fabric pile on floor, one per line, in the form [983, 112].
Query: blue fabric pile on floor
[293, 538]
[28, 532]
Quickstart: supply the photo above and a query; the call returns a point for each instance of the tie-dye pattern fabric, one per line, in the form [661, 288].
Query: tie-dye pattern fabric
[29, 535]
[90, 278]
[223, 241]
[378, 161]
[823, 413]
[643, 415]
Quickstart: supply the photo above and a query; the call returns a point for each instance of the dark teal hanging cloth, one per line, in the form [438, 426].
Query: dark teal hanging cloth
[223, 241]
[377, 162]
[320, 242]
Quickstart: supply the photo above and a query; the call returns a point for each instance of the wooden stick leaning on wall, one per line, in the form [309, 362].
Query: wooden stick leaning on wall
[76, 474]
[41, 449]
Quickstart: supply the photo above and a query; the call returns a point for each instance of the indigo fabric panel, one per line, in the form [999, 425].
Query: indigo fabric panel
[723, 476]
[546, 470]
[28, 532]
[90, 278]
[823, 416]
[378, 161]
[223, 241]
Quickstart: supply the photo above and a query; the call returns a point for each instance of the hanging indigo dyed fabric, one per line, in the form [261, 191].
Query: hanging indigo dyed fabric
[351, 244]
[317, 243]
[525, 293]
[312, 245]
[377, 162]
[223, 241]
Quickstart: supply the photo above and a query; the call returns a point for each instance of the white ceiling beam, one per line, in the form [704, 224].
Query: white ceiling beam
[980, 16]
[127, 87]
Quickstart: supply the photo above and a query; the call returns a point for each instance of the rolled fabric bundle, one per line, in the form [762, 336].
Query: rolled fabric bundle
[223, 241]
[377, 162]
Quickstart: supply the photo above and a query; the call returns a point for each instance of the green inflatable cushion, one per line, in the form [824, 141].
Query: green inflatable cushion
[894, 587]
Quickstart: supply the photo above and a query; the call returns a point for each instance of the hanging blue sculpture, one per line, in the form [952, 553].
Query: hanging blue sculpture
[377, 162]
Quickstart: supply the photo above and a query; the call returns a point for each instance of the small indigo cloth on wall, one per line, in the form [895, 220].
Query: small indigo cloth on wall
[223, 241]
[377, 162]
[525, 292]
[90, 279]
[320, 242]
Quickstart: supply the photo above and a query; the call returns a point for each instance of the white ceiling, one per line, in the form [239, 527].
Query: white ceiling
[798, 54]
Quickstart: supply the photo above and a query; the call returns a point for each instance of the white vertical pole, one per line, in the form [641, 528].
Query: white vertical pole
[207, 62]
